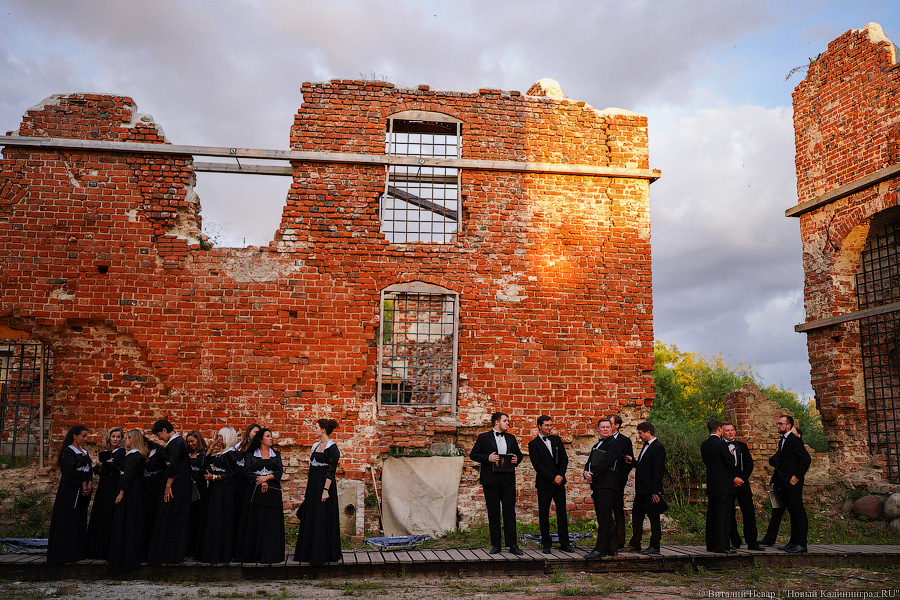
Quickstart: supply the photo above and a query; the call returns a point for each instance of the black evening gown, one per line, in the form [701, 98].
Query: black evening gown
[126, 540]
[319, 538]
[109, 469]
[264, 534]
[198, 507]
[241, 503]
[217, 531]
[154, 484]
[170, 533]
[68, 523]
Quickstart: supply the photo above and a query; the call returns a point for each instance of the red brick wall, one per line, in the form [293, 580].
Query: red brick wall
[553, 273]
[845, 122]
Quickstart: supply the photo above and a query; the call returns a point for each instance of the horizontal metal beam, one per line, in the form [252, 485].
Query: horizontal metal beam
[844, 191]
[246, 169]
[854, 316]
[327, 157]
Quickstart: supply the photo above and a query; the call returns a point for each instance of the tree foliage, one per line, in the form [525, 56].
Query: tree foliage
[691, 390]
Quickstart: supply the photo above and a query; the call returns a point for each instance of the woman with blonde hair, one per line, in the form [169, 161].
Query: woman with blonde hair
[126, 542]
[108, 467]
[216, 541]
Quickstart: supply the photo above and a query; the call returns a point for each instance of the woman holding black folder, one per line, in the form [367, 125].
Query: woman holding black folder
[197, 453]
[264, 538]
[108, 468]
[68, 523]
[217, 531]
[319, 538]
[126, 543]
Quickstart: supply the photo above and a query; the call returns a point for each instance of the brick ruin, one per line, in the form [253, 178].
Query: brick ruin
[441, 255]
[846, 124]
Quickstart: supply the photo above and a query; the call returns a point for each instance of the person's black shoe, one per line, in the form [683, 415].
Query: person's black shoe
[735, 546]
[650, 550]
[787, 547]
[495, 550]
[797, 550]
[546, 549]
[765, 543]
[594, 554]
[567, 548]
[754, 547]
[632, 549]
[516, 550]
[726, 551]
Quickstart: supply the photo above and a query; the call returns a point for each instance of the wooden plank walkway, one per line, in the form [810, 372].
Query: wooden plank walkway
[456, 562]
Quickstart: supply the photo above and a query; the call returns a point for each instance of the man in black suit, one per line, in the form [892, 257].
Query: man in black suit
[499, 486]
[791, 462]
[600, 472]
[622, 470]
[550, 461]
[649, 468]
[743, 467]
[719, 488]
[168, 544]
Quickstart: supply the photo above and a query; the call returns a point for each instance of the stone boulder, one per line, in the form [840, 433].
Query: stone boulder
[895, 525]
[892, 506]
[870, 507]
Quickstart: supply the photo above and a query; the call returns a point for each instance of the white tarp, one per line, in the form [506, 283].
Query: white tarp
[418, 494]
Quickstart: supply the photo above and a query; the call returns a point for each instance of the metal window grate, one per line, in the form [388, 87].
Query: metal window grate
[20, 399]
[417, 348]
[421, 204]
[877, 284]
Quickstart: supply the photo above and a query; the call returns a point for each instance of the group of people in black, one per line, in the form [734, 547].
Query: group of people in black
[218, 501]
[728, 467]
[606, 470]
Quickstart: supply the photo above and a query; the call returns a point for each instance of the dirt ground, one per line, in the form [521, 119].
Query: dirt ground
[880, 582]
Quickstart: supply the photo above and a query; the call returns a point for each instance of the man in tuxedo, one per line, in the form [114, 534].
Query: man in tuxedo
[601, 473]
[499, 486]
[649, 468]
[168, 544]
[791, 462]
[550, 461]
[622, 470]
[743, 467]
[719, 489]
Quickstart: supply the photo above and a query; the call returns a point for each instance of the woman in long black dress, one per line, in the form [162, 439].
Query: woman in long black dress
[319, 538]
[241, 491]
[126, 540]
[108, 468]
[197, 446]
[217, 532]
[68, 523]
[264, 537]
[154, 483]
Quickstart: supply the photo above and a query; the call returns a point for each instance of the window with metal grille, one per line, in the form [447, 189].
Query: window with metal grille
[417, 345]
[878, 284]
[421, 201]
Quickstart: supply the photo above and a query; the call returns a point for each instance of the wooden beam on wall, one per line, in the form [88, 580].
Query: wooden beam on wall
[844, 191]
[854, 316]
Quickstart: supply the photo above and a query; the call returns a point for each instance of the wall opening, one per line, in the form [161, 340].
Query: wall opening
[878, 284]
[417, 345]
[24, 365]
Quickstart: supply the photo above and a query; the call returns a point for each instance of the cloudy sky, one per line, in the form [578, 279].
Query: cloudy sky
[709, 74]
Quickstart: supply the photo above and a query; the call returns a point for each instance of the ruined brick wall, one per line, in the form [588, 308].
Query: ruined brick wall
[101, 260]
[845, 122]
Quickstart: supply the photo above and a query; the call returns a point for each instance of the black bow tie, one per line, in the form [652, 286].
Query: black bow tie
[543, 439]
[498, 434]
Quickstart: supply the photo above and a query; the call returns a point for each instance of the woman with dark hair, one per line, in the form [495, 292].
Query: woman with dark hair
[217, 531]
[108, 467]
[319, 538]
[154, 483]
[126, 540]
[264, 535]
[68, 523]
[197, 453]
[241, 491]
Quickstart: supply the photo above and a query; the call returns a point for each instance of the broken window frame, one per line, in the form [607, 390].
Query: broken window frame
[386, 383]
[406, 187]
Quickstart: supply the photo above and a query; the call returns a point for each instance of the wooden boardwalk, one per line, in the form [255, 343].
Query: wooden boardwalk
[455, 562]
